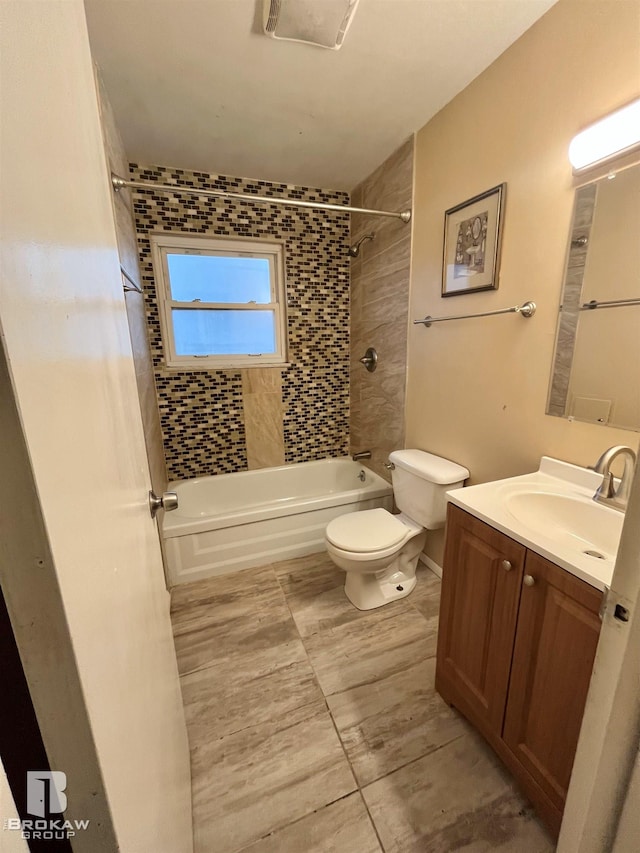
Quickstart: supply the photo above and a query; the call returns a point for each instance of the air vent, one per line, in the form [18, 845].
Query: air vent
[323, 24]
[271, 12]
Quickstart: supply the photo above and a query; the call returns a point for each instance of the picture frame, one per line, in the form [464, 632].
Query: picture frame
[472, 243]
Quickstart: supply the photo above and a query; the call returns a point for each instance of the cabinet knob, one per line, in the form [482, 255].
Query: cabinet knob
[529, 580]
[506, 565]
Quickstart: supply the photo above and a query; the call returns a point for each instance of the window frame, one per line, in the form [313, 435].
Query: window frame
[166, 243]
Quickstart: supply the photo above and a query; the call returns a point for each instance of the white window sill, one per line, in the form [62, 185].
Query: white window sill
[201, 368]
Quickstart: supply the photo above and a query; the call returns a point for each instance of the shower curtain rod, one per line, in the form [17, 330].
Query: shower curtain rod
[121, 183]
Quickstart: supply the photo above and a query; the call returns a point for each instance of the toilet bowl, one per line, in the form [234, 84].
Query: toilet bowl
[379, 551]
[376, 549]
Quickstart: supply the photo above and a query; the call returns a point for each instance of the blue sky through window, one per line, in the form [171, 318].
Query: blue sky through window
[212, 332]
[213, 278]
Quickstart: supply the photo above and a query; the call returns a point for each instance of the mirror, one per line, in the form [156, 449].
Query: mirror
[596, 372]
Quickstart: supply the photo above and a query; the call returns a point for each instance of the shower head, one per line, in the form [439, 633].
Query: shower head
[354, 250]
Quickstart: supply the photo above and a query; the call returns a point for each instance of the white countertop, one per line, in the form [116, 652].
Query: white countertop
[497, 502]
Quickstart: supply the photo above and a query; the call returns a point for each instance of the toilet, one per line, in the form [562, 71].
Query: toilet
[379, 551]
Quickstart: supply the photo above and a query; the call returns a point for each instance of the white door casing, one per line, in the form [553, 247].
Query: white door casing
[602, 778]
[66, 337]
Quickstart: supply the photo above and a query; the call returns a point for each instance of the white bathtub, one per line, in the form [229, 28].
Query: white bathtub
[234, 521]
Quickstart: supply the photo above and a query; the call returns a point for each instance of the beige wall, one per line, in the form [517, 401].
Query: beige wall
[477, 389]
[136, 311]
[379, 305]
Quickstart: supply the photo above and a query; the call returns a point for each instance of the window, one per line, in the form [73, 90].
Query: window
[221, 301]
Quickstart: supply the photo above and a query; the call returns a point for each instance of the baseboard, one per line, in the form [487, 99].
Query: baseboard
[431, 564]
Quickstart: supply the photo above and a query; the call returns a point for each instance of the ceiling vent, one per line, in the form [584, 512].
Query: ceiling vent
[323, 24]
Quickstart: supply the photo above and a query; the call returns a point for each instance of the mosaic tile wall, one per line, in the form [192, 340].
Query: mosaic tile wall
[201, 412]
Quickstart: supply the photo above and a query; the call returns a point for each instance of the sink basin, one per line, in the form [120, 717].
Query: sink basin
[575, 522]
[552, 512]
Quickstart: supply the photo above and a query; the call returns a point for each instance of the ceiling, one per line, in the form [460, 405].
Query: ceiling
[194, 84]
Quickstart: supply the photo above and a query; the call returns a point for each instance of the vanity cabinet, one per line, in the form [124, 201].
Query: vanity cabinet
[516, 646]
[482, 576]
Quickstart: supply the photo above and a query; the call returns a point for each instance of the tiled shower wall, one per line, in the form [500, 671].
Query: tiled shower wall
[223, 421]
[379, 306]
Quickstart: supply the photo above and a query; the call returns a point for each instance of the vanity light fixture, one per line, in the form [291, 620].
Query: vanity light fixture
[615, 134]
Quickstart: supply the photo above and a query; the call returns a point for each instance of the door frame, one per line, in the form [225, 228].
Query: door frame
[608, 744]
[35, 607]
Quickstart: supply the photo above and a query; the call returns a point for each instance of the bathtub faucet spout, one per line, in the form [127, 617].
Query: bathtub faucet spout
[364, 454]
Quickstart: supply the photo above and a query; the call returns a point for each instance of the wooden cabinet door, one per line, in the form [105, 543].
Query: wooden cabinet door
[556, 639]
[481, 582]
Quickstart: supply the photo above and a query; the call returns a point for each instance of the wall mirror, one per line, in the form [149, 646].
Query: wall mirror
[596, 370]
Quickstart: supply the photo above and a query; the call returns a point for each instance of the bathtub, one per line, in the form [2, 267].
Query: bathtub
[234, 521]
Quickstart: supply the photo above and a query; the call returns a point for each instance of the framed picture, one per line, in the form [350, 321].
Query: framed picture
[472, 237]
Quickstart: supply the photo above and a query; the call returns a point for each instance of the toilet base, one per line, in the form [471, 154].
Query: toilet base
[368, 591]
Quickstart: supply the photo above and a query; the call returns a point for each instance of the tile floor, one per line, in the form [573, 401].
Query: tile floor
[315, 728]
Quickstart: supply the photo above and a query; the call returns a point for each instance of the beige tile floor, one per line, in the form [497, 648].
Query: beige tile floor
[315, 728]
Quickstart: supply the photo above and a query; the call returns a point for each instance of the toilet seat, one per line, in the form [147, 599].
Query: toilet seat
[382, 568]
[367, 531]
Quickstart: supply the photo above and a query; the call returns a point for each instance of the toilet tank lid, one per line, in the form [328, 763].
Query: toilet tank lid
[437, 470]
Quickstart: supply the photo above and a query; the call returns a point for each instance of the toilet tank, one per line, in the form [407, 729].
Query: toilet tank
[420, 483]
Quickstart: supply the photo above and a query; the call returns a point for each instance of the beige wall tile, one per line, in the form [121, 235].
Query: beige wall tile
[263, 417]
[155, 453]
[137, 321]
[122, 205]
[261, 380]
[388, 281]
[126, 237]
[379, 311]
[390, 185]
[386, 231]
[356, 197]
[136, 314]
[390, 342]
[264, 430]
[388, 253]
[152, 430]
[390, 310]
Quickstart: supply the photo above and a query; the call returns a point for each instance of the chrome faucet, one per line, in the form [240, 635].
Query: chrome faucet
[364, 454]
[607, 492]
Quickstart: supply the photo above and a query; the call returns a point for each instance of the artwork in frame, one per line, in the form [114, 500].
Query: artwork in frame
[472, 238]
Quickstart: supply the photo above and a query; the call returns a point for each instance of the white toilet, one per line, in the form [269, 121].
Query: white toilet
[379, 551]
